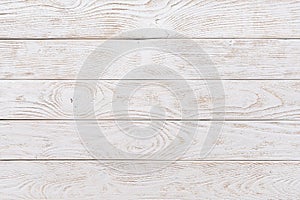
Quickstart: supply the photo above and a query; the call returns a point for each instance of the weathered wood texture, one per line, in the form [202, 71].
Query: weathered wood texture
[183, 180]
[257, 154]
[238, 140]
[233, 58]
[243, 100]
[102, 19]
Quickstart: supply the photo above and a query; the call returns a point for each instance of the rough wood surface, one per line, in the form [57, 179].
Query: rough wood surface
[44, 44]
[233, 58]
[243, 100]
[237, 141]
[102, 19]
[183, 180]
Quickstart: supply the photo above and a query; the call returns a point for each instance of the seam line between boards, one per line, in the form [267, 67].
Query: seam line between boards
[141, 160]
[156, 38]
[133, 120]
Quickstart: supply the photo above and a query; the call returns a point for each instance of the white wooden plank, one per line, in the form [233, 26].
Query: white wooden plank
[102, 19]
[237, 141]
[182, 180]
[54, 100]
[234, 59]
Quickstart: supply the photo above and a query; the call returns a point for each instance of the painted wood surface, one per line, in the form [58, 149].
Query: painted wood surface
[247, 140]
[183, 180]
[254, 46]
[103, 19]
[256, 99]
[233, 58]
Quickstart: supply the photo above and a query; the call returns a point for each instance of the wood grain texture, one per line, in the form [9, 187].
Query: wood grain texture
[257, 154]
[233, 58]
[182, 180]
[102, 19]
[54, 100]
[237, 141]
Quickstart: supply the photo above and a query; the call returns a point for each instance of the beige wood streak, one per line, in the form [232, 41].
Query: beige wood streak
[233, 58]
[182, 180]
[194, 18]
[237, 141]
[256, 99]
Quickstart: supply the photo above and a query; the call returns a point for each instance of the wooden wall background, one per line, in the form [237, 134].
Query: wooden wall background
[254, 45]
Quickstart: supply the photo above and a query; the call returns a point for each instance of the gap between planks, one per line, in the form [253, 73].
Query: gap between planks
[146, 120]
[156, 38]
[145, 160]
